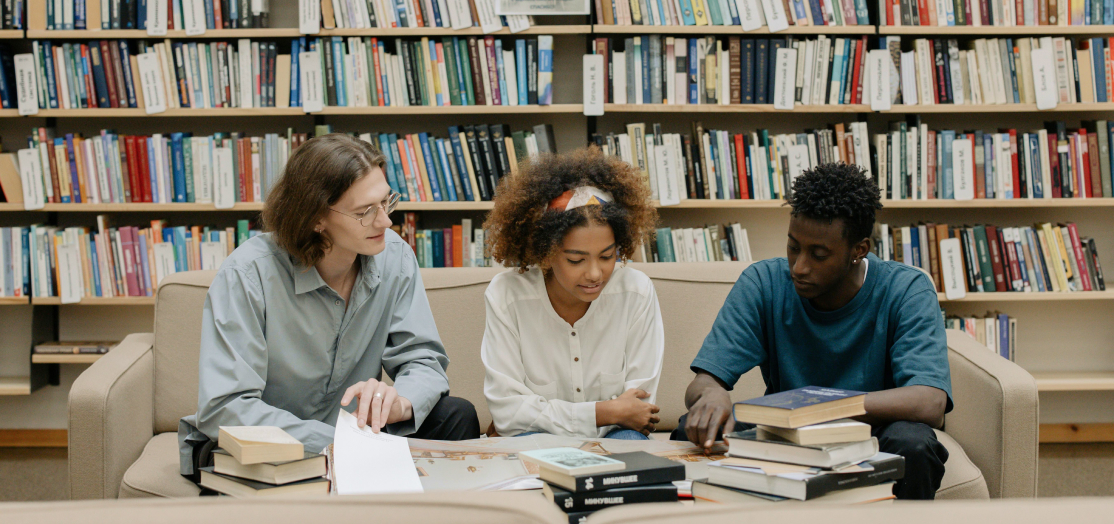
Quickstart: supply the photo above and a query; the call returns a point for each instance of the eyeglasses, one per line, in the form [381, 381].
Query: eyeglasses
[367, 218]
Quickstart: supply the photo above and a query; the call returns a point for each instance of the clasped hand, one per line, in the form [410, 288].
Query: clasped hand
[629, 411]
[379, 404]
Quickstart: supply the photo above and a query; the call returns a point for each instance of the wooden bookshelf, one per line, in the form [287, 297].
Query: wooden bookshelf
[182, 112]
[1013, 203]
[34, 438]
[1074, 380]
[65, 359]
[15, 386]
[979, 31]
[602, 29]
[1050, 296]
[11, 34]
[13, 301]
[455, 110]
[297, 111]
[733, 108]
[1071, 433]
[293, 32]
[96, 301]
[998, 108]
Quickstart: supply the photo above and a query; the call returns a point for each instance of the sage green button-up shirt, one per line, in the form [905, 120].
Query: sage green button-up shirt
[279, 347]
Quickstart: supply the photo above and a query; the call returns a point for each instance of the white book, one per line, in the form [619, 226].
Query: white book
[638, 80]
[922, 172]
[775, 16]
[712, 168]
[840, 51]
[699, 244]
[723, 97]
[687, 243]
[1044, 84]
[809, 73]
[193, 13]
[785, 81]
[619, 78]
[957, 76]
[1046, 171]
[512, 76]
[679, 251]
[908, 78]
[309, 17]
[27, 89]
[971, 62]
[963, 169]
[63, 79]
[245, 54]
[72, 285]
[31, 177]
[750, 14]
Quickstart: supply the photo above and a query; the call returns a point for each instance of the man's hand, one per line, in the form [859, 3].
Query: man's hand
[629, 411]
[709, 412]
[380, 404]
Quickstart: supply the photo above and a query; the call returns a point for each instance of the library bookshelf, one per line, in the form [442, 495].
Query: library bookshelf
[1074, 313]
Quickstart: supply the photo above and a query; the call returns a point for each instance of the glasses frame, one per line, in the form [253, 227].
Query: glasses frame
[372, 211]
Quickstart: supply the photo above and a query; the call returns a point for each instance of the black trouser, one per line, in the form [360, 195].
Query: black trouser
[451, 418]
[924, 455]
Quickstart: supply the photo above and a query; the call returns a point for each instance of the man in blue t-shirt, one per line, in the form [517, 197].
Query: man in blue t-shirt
[833, 314]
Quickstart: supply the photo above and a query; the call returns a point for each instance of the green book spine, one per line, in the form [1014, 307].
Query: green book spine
[1103, 132]
[373, 79]
[419, 55]
[465, 62]
[450, 65]
[187, 155]
[983, 252]
[242, 233]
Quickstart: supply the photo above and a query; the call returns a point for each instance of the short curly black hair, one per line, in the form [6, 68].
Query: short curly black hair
[522, 233]
[838, 191]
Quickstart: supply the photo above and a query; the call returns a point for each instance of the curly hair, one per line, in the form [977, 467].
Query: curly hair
[838, 190]
[522, 232]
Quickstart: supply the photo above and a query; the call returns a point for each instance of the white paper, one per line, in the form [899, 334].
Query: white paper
[798, 161]
[310, 69]
[775, 15]
[750, 14]
[1044, 78]
[164, 261]
[154, 93]
[26, 85]
[224, 192]
[461, 15]
[785, 79]
[518, 23]
[365, 462]
[31, 174]
[157, 15]
[593, 85]
[309, 17]
[212, 255]
[878, 64]
[193, 13]
[69, 270]
[963, 170]
[951, 264]
[668, 193]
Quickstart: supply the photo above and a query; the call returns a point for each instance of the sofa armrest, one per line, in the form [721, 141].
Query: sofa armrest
[995, 417]
[111, 417]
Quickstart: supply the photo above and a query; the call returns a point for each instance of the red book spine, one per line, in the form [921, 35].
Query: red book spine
[1080, 258]
[1085, 145]
[856, 87]
[931, 153]
[127, 246]
[493, 70]
[1054, 166]
[1013, 163]
[379, 71]
[995, 258]
[90, 87]
[133, 170]
[1015, 268]
[245, 168]
[923, 10]
[890, 5]
[218, 20]
[109, 73]
[741, 167]
[144, 167]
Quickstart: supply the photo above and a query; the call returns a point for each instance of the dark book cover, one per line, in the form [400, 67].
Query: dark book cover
[943, 93]
[761, 72]
[477, 162]
[325, 49]
[1094, 254]
[546, 138]
[642, 469]
[690, 178]
[487, 149]
[438, 247]
[771, 67]
[260, 486]
[886, 467]
[99, 82]
[735, 69]
[570, 502]
[477, 73]
[801, 397]
[580, 517]
[498, 133]
[747, 72]
[128, 78]
[532, 70]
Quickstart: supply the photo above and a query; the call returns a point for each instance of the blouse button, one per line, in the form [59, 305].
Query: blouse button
[576, 359]
[574, 333]
[578, 390]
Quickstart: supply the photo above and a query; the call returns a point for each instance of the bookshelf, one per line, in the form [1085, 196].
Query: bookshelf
[999, 108]
[96, 301]
[1075, 381]
[1049, 296]
[13, 301]
[12, 386]
[292, 32]
[64, 359]
[603, 29]
[1039, 30]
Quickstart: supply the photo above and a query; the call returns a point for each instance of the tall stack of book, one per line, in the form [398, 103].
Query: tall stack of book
[750, 14]
[803, 448]
[263, 461]
[581, 483]
[134, 14]
[995, 12]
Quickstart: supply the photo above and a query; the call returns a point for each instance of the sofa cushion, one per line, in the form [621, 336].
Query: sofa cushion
[178, 309]
[962, 479]
[155, 474]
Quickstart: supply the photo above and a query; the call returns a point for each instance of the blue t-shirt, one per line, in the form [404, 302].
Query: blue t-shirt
[890, 335]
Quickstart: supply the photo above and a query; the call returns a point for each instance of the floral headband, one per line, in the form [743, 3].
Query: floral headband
[581, 196]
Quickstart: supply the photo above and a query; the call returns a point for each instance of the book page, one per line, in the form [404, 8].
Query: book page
[367, 462]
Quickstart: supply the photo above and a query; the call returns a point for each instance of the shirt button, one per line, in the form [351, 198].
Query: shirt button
[576, 359]
[338, 302]
[578, 390]
[574, 333]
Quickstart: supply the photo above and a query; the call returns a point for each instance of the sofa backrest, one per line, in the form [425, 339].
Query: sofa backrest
[181, 299]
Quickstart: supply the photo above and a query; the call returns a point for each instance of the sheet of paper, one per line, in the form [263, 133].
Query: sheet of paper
[30, 173]
[27, 88]
[193, 12]
[367, 462]
[310, 68]
[785, 78]
[593, 85]
[770, 468]
[309, 17]
[154, 93]
[157, 17]
[878, 79]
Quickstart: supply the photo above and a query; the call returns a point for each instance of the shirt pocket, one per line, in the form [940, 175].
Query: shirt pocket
[547, 390]
[611, 385]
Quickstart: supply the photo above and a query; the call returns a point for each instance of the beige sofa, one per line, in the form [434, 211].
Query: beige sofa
[124, 409]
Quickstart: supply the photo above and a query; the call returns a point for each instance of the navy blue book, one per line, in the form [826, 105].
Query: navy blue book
[125, 60]
[461, 165]
[771, 67]
[647, 97]
[1100, 79]
[178, 163]
[761, 73]
[801, 407]
[51, 87]
[430, 167]
[747, 74]
[438, 247]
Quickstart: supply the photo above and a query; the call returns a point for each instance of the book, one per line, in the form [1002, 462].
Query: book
[756, 444]
[572, 461]
[801, 407]
[245, 488]
[311, 466]
[799, 483]
[641, 468]
[259, 444]
[570, 502]
[74, 348]
[703, 491]
[842, 430]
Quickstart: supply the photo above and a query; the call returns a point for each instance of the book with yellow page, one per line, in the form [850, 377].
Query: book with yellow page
[259, 444]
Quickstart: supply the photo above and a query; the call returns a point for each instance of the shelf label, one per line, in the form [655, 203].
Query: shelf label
[26, 85]
[798, 161]
[878, 79]
[156, 18]
[309, 17]
[31, 175]
[750, 14]
[951, 264]
[154, 93]
[593, 85]
[963, 169]
[164, 261]
[193, 14]
[775, 15]
[785, 78]
[665, 160]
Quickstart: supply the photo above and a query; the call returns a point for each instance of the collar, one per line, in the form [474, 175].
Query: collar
[308, 279]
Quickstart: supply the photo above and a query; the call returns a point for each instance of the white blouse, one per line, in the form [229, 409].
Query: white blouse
[545, 375]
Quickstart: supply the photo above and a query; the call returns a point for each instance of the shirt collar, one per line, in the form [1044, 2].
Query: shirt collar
[306, 280]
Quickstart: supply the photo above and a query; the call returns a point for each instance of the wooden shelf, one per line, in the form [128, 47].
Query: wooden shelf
[602, 29]
[96, 301]
[13, 301]
[1032, 297]
[185, 112]
[997, 108]
[981, 31]
[15, 386]
[733, 108]
[11, 34]
[1070, 433]
[983, 203]
[34, 438]
[1074, 380]
[88, 358]
[454, 110]
[297, 111]
[293, 32]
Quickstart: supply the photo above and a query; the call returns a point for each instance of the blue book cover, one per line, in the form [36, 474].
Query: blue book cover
[178, 162]
[686, 12]
[443, 160]
[1100, 79]
[86, 72]
[746, 76]
[807, 396]
[988, 164]
[1021, 262]
[145, 275]
[1004, 335]
[761, 73]
[1108, 12]
[733, 12]
[431, 173]
[386, 88]
[50, 19]
[194, 64]
[181, 260]
[141, 14]
[461, 166]
[817, 13]
[915, 243]
[389, 166]
[644, 50]
[400, 174]
[504, 97]
[1036, 177]
[295, 73]
[233, 14]
[1013, 69]
[149, 143]
[437, 16]
[438, 247]
[520, 70]
[339, 67]
[545, 70]
[51, 86]
[400, 7]
[25, 249]
[694, 70]
[947, 137]
[210, 20]
[5, 92]
[71, 157]
[437, 169]
[94, 261]
[714, 170]
[129, 82]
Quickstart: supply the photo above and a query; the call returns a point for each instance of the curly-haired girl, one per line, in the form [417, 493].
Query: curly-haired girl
[573, 344]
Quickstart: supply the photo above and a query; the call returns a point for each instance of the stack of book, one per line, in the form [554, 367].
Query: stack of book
[996, 331]
[73, 348]
[804, 448]
[996, 12]
[750, 14]
[581, 483]
[457, 14]
[263, 461]
[77, 262]
[713, 243]
[1052, 162]
[1044, 257]
[657, 69]
[719, 165]
[138, 14]
[456, 246]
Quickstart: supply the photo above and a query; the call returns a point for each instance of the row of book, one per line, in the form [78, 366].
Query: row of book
[997, 12]
[1003, 71]
[106, 73]
[714, 243]
[76, 262]
[74, 347]
[657, 69]
[749, 14]
[456, 14]
[164, 14]
[987, 258]
[914, 162]
[457, 246]
[996, 331]
[717, 165]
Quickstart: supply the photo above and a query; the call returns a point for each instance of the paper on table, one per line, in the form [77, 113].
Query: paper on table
[367, 462]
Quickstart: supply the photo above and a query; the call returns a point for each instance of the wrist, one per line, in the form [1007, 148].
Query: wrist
[605, 413]
[406, 407]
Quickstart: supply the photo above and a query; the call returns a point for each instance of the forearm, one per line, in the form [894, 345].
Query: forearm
[701, 385]
[923, 404]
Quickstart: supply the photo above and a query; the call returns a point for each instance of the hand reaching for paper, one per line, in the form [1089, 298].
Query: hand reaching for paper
[379, 404]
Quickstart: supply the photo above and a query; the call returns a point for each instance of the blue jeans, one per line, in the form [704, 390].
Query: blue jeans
[617, 433]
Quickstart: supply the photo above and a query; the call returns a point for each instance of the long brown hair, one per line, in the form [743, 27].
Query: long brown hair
[316, 176]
